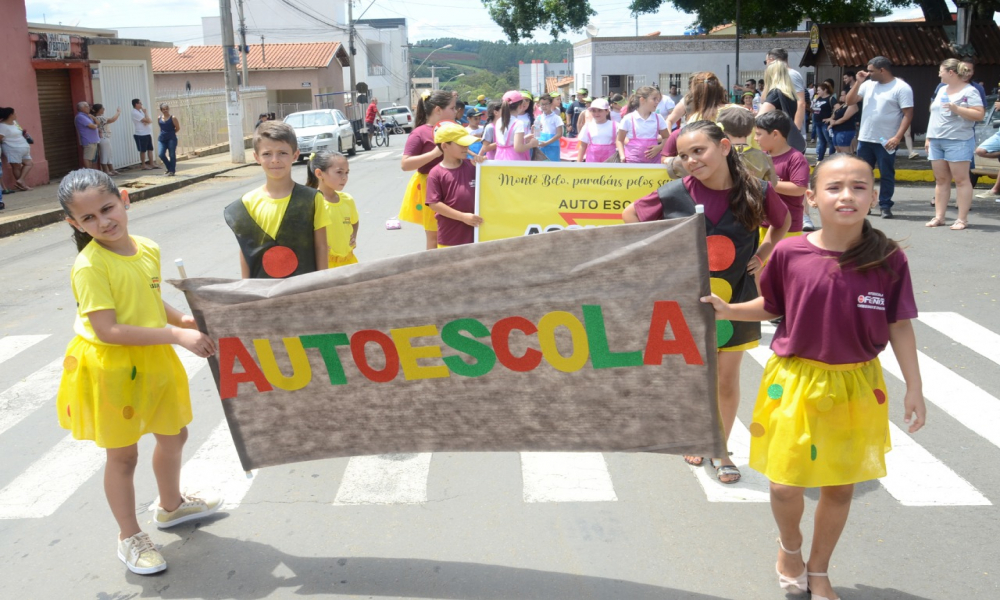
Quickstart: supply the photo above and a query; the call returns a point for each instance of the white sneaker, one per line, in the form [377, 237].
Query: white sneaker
[988, 195]
[807, 224]
[192, 508]
[140, 555]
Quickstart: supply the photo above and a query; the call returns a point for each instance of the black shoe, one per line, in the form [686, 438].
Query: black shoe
[2, 205]
[886, 213]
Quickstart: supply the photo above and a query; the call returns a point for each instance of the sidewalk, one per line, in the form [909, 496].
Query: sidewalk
[40, 206]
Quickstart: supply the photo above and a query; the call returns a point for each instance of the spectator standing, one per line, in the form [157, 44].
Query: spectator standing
[887, 113]
[781, 96]
[16, 148]
[674, 95]
[843, 125]
[86, 127]
[951, 140]
[991, 149]
[104, 146]
[143, 135]
[798, 87]
[576, 109]
[169, 126]
[822, 111]
[371, 115]
[260, 119]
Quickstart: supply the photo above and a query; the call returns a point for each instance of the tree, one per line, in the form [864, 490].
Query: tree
[520, 18]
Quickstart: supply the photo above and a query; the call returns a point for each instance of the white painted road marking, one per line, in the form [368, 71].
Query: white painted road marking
[12, 345]
[215, 468]
[48, 482]
[30, 394]
[566, 477]
[377, 155]
[966, 332]
[752, 486]
[385, 479]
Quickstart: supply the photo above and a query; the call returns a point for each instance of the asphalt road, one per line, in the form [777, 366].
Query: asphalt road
[491, 526]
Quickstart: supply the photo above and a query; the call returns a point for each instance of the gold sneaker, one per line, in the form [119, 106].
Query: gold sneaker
[140, 555]
[192, 508]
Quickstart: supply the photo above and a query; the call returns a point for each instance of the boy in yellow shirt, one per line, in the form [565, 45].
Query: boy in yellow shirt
[281, 226]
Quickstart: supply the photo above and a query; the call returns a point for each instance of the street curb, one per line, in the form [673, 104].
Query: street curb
[54, 216]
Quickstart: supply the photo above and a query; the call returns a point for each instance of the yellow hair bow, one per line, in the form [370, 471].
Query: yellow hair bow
[425, 94]
[312, 156]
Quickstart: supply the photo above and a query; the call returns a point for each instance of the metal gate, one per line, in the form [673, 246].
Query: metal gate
[121, 81]
[55, 102]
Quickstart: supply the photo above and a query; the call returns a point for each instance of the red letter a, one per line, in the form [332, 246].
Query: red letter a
[669, 313]
[232, 349]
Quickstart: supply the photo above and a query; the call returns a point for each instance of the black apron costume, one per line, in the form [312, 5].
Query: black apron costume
[677, 202]
[292, 251]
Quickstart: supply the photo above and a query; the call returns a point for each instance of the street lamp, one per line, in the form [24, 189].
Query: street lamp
[456, 77]
[445, 47]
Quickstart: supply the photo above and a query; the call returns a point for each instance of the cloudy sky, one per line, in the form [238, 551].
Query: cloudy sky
[179, 21]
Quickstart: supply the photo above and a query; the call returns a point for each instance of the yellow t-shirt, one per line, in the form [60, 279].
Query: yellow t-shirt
[268, 212]
[129, 285]
[342, 216]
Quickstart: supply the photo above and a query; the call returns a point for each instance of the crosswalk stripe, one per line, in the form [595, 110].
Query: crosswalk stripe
[752, 486]
[377, 155]
[965, 332]
[566, 477]
[13, 345]
[48, 482]
[215, 468]
[30, 394]
[385, 479]
[966, 402]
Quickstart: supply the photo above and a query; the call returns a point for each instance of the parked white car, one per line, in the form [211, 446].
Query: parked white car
[326, 129]
[400, 114]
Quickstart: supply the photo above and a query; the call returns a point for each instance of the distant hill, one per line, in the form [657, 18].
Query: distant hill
[496, 57]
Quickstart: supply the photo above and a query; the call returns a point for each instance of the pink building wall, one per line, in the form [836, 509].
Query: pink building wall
[19, 90]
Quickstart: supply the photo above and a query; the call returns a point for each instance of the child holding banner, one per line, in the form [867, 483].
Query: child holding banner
[822, 417]
[421, 154]
[513, 134]
[451, 187]
[550, 127]
[121, 377]
[790, 165]
[643, 129]
[597, 137]
[736, 203]
[328, 173]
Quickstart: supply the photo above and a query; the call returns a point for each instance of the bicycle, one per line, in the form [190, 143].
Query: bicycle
[379, 134]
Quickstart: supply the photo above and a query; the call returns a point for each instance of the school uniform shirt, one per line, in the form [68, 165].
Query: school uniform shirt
[637, 127]
[833, 315]
[549, 123]
[268, 212]
[342, 215]
[601, 134]
[665, 107]
[792, 166]
[716, 203]
[128, 285]
[419, 142]
[515, 127]
[455, 188]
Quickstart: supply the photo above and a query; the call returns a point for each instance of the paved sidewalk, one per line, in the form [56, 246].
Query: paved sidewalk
[40, 206]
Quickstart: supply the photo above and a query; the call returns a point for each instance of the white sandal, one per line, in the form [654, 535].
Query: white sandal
[814, 596]
[792, 585]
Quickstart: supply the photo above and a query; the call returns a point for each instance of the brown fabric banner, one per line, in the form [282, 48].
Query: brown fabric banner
[588, 340]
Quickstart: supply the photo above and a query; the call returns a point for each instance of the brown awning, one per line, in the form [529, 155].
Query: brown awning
[905, 44]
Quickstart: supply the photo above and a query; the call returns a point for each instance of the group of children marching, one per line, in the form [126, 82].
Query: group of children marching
[821, 415]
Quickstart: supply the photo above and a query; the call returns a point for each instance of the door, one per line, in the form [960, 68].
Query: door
[121, 81]
[55, 103]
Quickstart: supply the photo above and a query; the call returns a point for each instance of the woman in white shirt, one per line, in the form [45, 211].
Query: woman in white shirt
[15, 147]
[951, 141]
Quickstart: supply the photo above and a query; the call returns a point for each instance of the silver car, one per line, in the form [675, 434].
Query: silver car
[400, 114]
[326, 129]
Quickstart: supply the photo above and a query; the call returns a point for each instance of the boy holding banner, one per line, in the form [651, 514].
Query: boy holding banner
[451, 187]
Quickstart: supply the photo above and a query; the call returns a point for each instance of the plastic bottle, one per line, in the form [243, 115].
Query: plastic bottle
[944, 110]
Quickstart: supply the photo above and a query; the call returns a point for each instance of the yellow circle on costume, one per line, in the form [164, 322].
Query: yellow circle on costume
[721, 288]
[825, 403]
[69, 363]
[757, 430]
[128, 412]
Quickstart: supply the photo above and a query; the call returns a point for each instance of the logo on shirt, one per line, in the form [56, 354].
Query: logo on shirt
[872, 300]
[154, 283]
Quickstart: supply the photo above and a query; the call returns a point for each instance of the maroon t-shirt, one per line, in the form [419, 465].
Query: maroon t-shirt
[792, 166]
[832, 315]
[670, 146]
[716, 203]
[455, 188]
[421, 141]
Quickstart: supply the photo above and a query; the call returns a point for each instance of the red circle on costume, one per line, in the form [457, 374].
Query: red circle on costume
[721, 253]
[880, 396]
[68, 414]
[280, 261]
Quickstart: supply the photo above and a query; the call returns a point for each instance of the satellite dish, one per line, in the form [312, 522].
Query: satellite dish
[592, 30]
[183, 49]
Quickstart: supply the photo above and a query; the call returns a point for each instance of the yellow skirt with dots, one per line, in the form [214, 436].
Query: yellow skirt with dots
[341, 261]
[413, 209]
[114, 395]
[818, 425]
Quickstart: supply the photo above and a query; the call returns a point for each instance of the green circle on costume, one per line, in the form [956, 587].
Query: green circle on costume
[723, 333]
[812, 452]
[774, 391]
[133, 373]
[420, 207]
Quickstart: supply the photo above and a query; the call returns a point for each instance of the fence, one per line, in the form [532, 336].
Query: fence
[202, 115]
[283, 109]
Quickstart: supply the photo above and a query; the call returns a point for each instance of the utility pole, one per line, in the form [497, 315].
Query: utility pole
[739, 81]
[433, 80]
[350, 56]
[234, 113]
[244, 49]
[263, 57]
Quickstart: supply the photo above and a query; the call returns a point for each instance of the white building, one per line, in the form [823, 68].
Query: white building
[381, 56]
[533, 75]
[622, 64]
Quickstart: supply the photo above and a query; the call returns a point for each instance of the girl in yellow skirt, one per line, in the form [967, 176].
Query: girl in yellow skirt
[421, 154]
[121, 377]
[821, 417]
[328, 172]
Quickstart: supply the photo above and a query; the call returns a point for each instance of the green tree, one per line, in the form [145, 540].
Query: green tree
[520, 18]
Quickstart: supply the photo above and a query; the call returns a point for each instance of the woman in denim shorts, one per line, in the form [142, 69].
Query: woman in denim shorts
[951, 141]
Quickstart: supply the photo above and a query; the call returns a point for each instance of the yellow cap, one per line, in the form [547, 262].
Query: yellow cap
[481, 98]
[450, 131]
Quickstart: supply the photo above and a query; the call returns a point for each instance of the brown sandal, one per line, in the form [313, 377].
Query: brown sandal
[935, 222]
[959, 225]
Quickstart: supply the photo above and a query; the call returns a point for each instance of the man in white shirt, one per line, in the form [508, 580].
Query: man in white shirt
[885, 117]
[665, 107]
[143, 135]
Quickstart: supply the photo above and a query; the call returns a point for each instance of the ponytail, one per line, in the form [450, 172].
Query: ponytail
[426, 104]
[80, 181]
[491, 110]
[504, 116]
[321, 160]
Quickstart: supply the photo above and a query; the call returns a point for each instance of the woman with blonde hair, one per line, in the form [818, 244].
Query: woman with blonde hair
[779, 94]
[705, 97]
